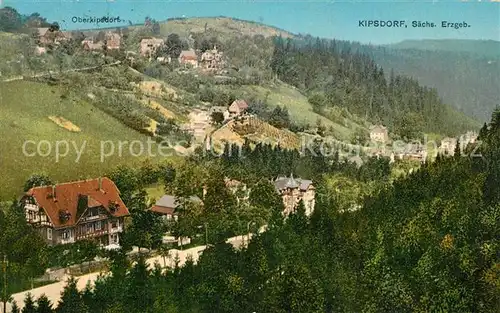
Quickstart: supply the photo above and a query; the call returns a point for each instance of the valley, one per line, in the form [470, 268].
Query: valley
[213, 164]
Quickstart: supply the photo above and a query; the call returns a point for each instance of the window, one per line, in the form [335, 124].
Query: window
[98, 225]
[49, 233]
[90, 228]
[65, 234]
[114, 224]
[114, 238]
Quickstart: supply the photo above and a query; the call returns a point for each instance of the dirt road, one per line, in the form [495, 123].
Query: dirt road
[53, 291]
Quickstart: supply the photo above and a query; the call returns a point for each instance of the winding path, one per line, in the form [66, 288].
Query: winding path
[66, 71]
[53, 291]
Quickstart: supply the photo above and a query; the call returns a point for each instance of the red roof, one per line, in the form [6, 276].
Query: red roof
[189, 57]
[241, 104]
[67, 195]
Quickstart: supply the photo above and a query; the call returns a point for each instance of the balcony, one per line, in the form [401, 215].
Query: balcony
[67, 240]
[37, 222]
[31, 207]
[115, 230]
[91, 234]
[94, 218]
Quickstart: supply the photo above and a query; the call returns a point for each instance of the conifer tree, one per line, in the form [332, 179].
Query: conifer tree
[14, 308]
[457, 153]
[29, 304]
[44, 305]
[71, 300]
[138, 296]
[264, 195]
[301, 293]
[298, 219]
[87, 297]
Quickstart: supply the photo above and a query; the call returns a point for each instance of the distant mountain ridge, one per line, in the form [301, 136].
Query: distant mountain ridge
[485, 48]
[223, 24]
[466, 73]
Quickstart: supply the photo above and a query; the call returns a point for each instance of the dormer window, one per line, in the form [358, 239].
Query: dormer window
[64, 216]
[113, 206]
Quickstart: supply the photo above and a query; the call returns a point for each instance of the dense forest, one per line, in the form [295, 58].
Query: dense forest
[485, 48]
[336, 75]
[467, 82]
[466, 73]
[427, 243]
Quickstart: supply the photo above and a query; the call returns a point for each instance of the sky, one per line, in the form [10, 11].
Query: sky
[328, 19]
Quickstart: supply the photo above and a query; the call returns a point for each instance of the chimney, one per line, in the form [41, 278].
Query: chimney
[54, 192]
[100, 183]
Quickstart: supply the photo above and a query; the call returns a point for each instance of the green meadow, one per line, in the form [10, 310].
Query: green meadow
[25, 108]
[301, 111]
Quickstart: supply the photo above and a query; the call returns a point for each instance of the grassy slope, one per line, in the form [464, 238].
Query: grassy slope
[10, 44]
[24, 111]
[299, 108]
[9, 52]
[221, 25]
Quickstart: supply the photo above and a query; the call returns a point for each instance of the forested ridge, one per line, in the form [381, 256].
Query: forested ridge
[466, 73]
[335, 73]
[468, 82]
[486, 48]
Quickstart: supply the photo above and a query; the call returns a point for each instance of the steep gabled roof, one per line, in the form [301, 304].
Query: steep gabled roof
[42, 31]
[282, 183]
[93, 46]
[67, 197]
[113, 36]
[188, 55]
[153, 41]
[378, 128]
[168, 203]
[241, 104]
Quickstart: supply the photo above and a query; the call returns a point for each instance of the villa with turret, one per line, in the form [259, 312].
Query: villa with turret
[292, 190]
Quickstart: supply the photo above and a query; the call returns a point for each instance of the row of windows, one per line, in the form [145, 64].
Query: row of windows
[34, 216]
[90, 228]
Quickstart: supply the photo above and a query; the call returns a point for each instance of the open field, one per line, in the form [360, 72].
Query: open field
[24, 110]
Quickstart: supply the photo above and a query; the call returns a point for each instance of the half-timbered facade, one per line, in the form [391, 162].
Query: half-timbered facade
[69, 212]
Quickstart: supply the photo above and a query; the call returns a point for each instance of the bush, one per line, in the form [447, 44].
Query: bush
[206, 94]
[128, 110]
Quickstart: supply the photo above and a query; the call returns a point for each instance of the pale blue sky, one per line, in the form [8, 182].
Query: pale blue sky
[330, 19]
